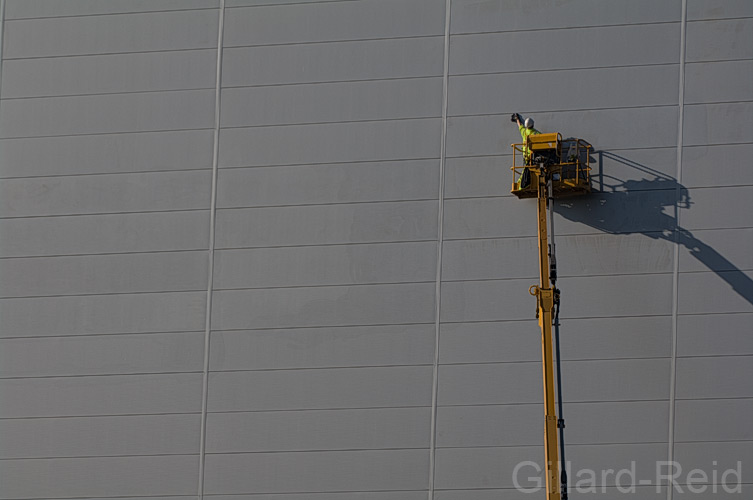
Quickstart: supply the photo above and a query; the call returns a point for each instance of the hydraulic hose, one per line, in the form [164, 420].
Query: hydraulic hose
[561, 420]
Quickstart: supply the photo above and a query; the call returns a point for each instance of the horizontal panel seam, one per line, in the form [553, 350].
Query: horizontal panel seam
[268, 126]
[43, 216]
[225, 48]
[416, 365]
[539, 444]
[563, 69]
[104, 14]
[332, 82]
[85, 457]
[566, 235]
[713, 20]
[285, 4]
[571, 110]
[338, 409]
[93, 134]
[312, 451]
[715, 103]
[192, 89]
[77, 96]
[96, 335]
[206, 170]
[328, 204]
[103, 254]
[249, 452]
[106, 294]
[338, 122]
[181, 497]
[94, 54]
[321, 42]
[99, 94]
[564, 28]
[134, 374]
[333, 163]
[721, 61]
[101, 214]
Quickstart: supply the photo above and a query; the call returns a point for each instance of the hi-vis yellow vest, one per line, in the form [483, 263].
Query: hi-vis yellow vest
[524, 133]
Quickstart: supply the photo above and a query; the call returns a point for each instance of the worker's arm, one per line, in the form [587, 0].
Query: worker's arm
[515, 117]
[523, 131]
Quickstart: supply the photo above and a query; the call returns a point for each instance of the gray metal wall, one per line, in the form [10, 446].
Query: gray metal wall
[348, 131]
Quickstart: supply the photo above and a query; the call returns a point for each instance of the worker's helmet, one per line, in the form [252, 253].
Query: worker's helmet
[529, 122]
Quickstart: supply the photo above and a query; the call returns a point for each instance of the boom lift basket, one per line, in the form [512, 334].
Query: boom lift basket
[567, 161]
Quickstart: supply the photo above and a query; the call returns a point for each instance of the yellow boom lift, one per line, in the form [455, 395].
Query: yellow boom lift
[558, 168]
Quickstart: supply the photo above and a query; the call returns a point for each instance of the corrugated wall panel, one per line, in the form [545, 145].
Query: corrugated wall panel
[325, 257]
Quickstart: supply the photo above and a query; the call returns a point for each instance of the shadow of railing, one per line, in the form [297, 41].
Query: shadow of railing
[649, 206]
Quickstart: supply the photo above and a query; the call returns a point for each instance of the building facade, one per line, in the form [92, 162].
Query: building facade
[266, 249]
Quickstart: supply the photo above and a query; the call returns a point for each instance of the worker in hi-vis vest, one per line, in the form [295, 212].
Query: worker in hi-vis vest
[526, 129]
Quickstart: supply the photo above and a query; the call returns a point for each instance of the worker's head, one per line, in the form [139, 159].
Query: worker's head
[529, 122]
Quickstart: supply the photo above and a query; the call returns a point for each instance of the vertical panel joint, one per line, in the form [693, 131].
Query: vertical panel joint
[440, 238]
[210, 279]
[676, 270]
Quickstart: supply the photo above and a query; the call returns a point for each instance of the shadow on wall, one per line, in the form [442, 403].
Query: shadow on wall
[649, 206]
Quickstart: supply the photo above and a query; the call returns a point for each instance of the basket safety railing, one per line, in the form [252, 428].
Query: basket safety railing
[568, 161]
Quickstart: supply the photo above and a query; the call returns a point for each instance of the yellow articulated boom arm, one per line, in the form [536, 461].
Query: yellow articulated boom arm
[545, 297]
[552, 168]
